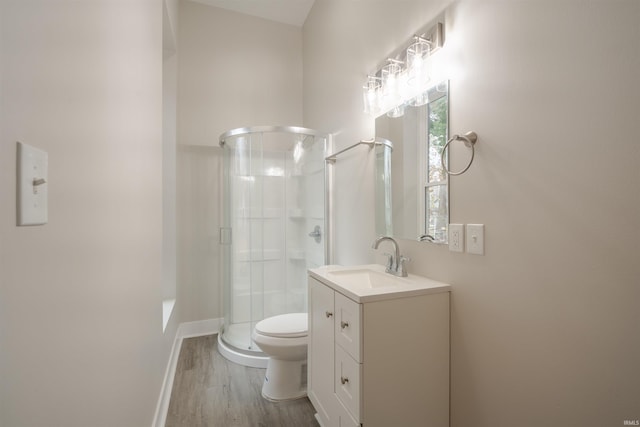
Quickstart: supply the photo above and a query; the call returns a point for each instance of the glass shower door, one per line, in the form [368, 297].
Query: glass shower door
[273, 227]
[306, 235]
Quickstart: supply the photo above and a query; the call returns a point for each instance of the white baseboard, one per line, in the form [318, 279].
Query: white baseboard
[185, 330]
[199, 328]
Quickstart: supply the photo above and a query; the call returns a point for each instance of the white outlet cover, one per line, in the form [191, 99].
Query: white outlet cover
[32, 182]
[456, 237]
[475, 239]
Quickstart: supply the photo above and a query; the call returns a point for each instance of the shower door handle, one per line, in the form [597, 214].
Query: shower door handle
[316, 234]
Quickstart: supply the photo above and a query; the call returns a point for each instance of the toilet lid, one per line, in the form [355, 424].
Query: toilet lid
[285, 325]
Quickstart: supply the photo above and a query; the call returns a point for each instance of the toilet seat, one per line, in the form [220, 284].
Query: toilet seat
[291, 325]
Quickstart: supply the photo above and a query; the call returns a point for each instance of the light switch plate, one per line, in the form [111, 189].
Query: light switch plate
[456, 237]
[475, 239]
[32, 185]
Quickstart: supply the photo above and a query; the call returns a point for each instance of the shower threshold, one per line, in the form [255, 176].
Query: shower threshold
[241, 357]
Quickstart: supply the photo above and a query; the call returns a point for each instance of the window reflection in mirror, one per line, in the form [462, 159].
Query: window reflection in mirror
[412, 192]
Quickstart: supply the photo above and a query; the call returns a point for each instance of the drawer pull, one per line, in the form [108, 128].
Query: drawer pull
[328, 314]
[344, 380]
[344, 325]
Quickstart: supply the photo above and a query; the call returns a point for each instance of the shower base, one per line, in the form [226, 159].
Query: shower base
[240, 335]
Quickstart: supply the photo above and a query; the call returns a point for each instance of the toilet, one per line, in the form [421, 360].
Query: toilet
[284, 339]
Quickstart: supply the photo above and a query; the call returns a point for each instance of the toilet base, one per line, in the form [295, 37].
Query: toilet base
[285, 380]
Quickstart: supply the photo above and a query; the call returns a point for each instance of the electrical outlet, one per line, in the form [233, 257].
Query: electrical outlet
[456, 237]
[475, 239]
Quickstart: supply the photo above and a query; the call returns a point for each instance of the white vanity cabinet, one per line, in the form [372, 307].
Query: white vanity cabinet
[378, 359]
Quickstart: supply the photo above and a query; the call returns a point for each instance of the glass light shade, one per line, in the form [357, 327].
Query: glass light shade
[417, 55]
[371, 95]
[390, 74]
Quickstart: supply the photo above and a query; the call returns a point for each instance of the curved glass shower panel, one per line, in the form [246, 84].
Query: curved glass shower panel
[274, 224]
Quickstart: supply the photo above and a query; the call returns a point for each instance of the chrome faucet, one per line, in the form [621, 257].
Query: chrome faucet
[395, 262]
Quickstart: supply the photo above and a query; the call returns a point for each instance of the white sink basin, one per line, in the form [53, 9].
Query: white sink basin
[364, 278]
[364, 283]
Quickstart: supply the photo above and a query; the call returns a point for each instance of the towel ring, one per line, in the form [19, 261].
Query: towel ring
[470, 139]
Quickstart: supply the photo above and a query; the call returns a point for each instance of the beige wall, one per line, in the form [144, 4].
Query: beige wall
[545, 325]
[199, 268]
[81, 339]
[234, 70]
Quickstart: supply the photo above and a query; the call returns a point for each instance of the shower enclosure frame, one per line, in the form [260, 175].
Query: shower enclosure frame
[250, 357]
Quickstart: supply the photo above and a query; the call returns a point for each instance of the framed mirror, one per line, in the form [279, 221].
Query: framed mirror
[412, 189]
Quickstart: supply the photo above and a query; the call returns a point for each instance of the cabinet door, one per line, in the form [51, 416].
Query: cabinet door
[347, 325]
[321, 353]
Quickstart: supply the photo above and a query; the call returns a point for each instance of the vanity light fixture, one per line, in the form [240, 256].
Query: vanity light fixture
[405, 76]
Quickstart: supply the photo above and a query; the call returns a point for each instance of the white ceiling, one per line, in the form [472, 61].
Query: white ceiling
[293, 12]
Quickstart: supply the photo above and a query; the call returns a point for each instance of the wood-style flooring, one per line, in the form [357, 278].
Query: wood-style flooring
[208, 390]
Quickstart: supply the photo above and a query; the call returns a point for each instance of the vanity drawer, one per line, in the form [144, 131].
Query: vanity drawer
[347, 374]
[348, 330]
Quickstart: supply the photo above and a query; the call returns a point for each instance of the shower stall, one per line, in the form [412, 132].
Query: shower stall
[274, 228]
